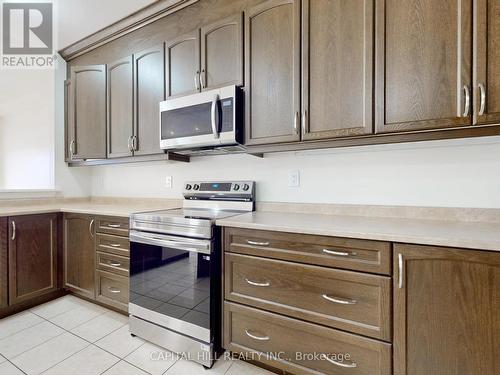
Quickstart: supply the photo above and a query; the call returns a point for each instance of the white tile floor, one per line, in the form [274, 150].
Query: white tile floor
[70, 336]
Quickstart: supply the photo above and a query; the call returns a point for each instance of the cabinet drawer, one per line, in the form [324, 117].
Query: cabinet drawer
[247, 330]
[358, 255]
[113, 244]
[113, 263]
[113, 225]
[112, 290]
[347, 300]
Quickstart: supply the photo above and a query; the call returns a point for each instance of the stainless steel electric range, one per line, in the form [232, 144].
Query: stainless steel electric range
[175, 269]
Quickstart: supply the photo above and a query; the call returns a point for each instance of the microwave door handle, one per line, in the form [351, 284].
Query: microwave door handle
[215, 128]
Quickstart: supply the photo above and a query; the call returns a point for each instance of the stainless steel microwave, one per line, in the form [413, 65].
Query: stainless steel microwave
[207, 119]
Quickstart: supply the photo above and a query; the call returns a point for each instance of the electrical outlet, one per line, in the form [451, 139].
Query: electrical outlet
[294, 178]
[168, 182]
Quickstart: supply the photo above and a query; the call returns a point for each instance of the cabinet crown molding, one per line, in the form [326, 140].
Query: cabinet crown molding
[134, 21]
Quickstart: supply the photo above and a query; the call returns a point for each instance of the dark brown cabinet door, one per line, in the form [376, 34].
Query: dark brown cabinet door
[88, 112]
[222, 53]
[32, 256]
[446, 311]
[487, 62]
[272, 78]
[79, 254]
[337, 68]
[4, 265]
[120, 107]
[149, 91]
[423, 64]
[182, 64]
[69, 126]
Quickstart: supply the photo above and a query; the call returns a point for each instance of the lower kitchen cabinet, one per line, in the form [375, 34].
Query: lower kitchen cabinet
[446, 311]
[300, 347]
[32, 256]
[79, 254]
[4, 263]
[112, 289]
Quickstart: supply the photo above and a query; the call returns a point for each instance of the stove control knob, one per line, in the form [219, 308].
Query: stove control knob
[188, 187]
[246, 187]
[236, 187]
[196, 187]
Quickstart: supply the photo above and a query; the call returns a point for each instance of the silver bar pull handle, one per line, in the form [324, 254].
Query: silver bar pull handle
[296, 123]
[196, 80]
[134, 143]
[13, 230]
[72, 148]
[339, 253]
[91, 230]
[114, 245]
[213, 117]
[114, 290]
[256, 243]
[114, 225]
[202, 79]
[341, 301]
[305, 124]
[260, 338]
[340, 364]
[400, 271]
[466, 101]
[482, 92]
[253, 283]
[114, 264]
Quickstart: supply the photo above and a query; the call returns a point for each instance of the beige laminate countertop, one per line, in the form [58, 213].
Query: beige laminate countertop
[108, 209]
[471, 235]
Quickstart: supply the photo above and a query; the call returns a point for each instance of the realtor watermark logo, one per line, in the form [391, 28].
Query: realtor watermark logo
[27, 35]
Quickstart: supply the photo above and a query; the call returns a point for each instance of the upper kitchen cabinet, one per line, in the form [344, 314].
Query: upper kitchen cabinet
[182, 64]
[87, 112]
[423, 64]
[272, 78]
[120, 108]
[337, 68]
[149, 91]
[487, 62]
[446, 304]
[222, 53]
[32, 256]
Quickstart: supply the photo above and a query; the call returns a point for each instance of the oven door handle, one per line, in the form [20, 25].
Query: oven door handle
[158, 240]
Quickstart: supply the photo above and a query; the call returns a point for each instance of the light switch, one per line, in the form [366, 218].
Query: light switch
[168, 182]
[294, 178]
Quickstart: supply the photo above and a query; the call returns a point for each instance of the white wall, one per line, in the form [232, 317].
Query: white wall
[463, 173]
[26, 129]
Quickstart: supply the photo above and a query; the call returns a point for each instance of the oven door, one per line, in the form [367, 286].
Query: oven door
[170, 283]
[200, 120]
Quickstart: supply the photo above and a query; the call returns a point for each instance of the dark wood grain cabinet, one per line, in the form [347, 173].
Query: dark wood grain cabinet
[337, 68]
[79, 254]
[32, 256]
[149, 91]
[487, 62]
[120, 90]
[446, 304]
[182, 68]
[272, 74]
[222, 53]
[4, 262]
[205, 58]
[87, 113]
[423, 64]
